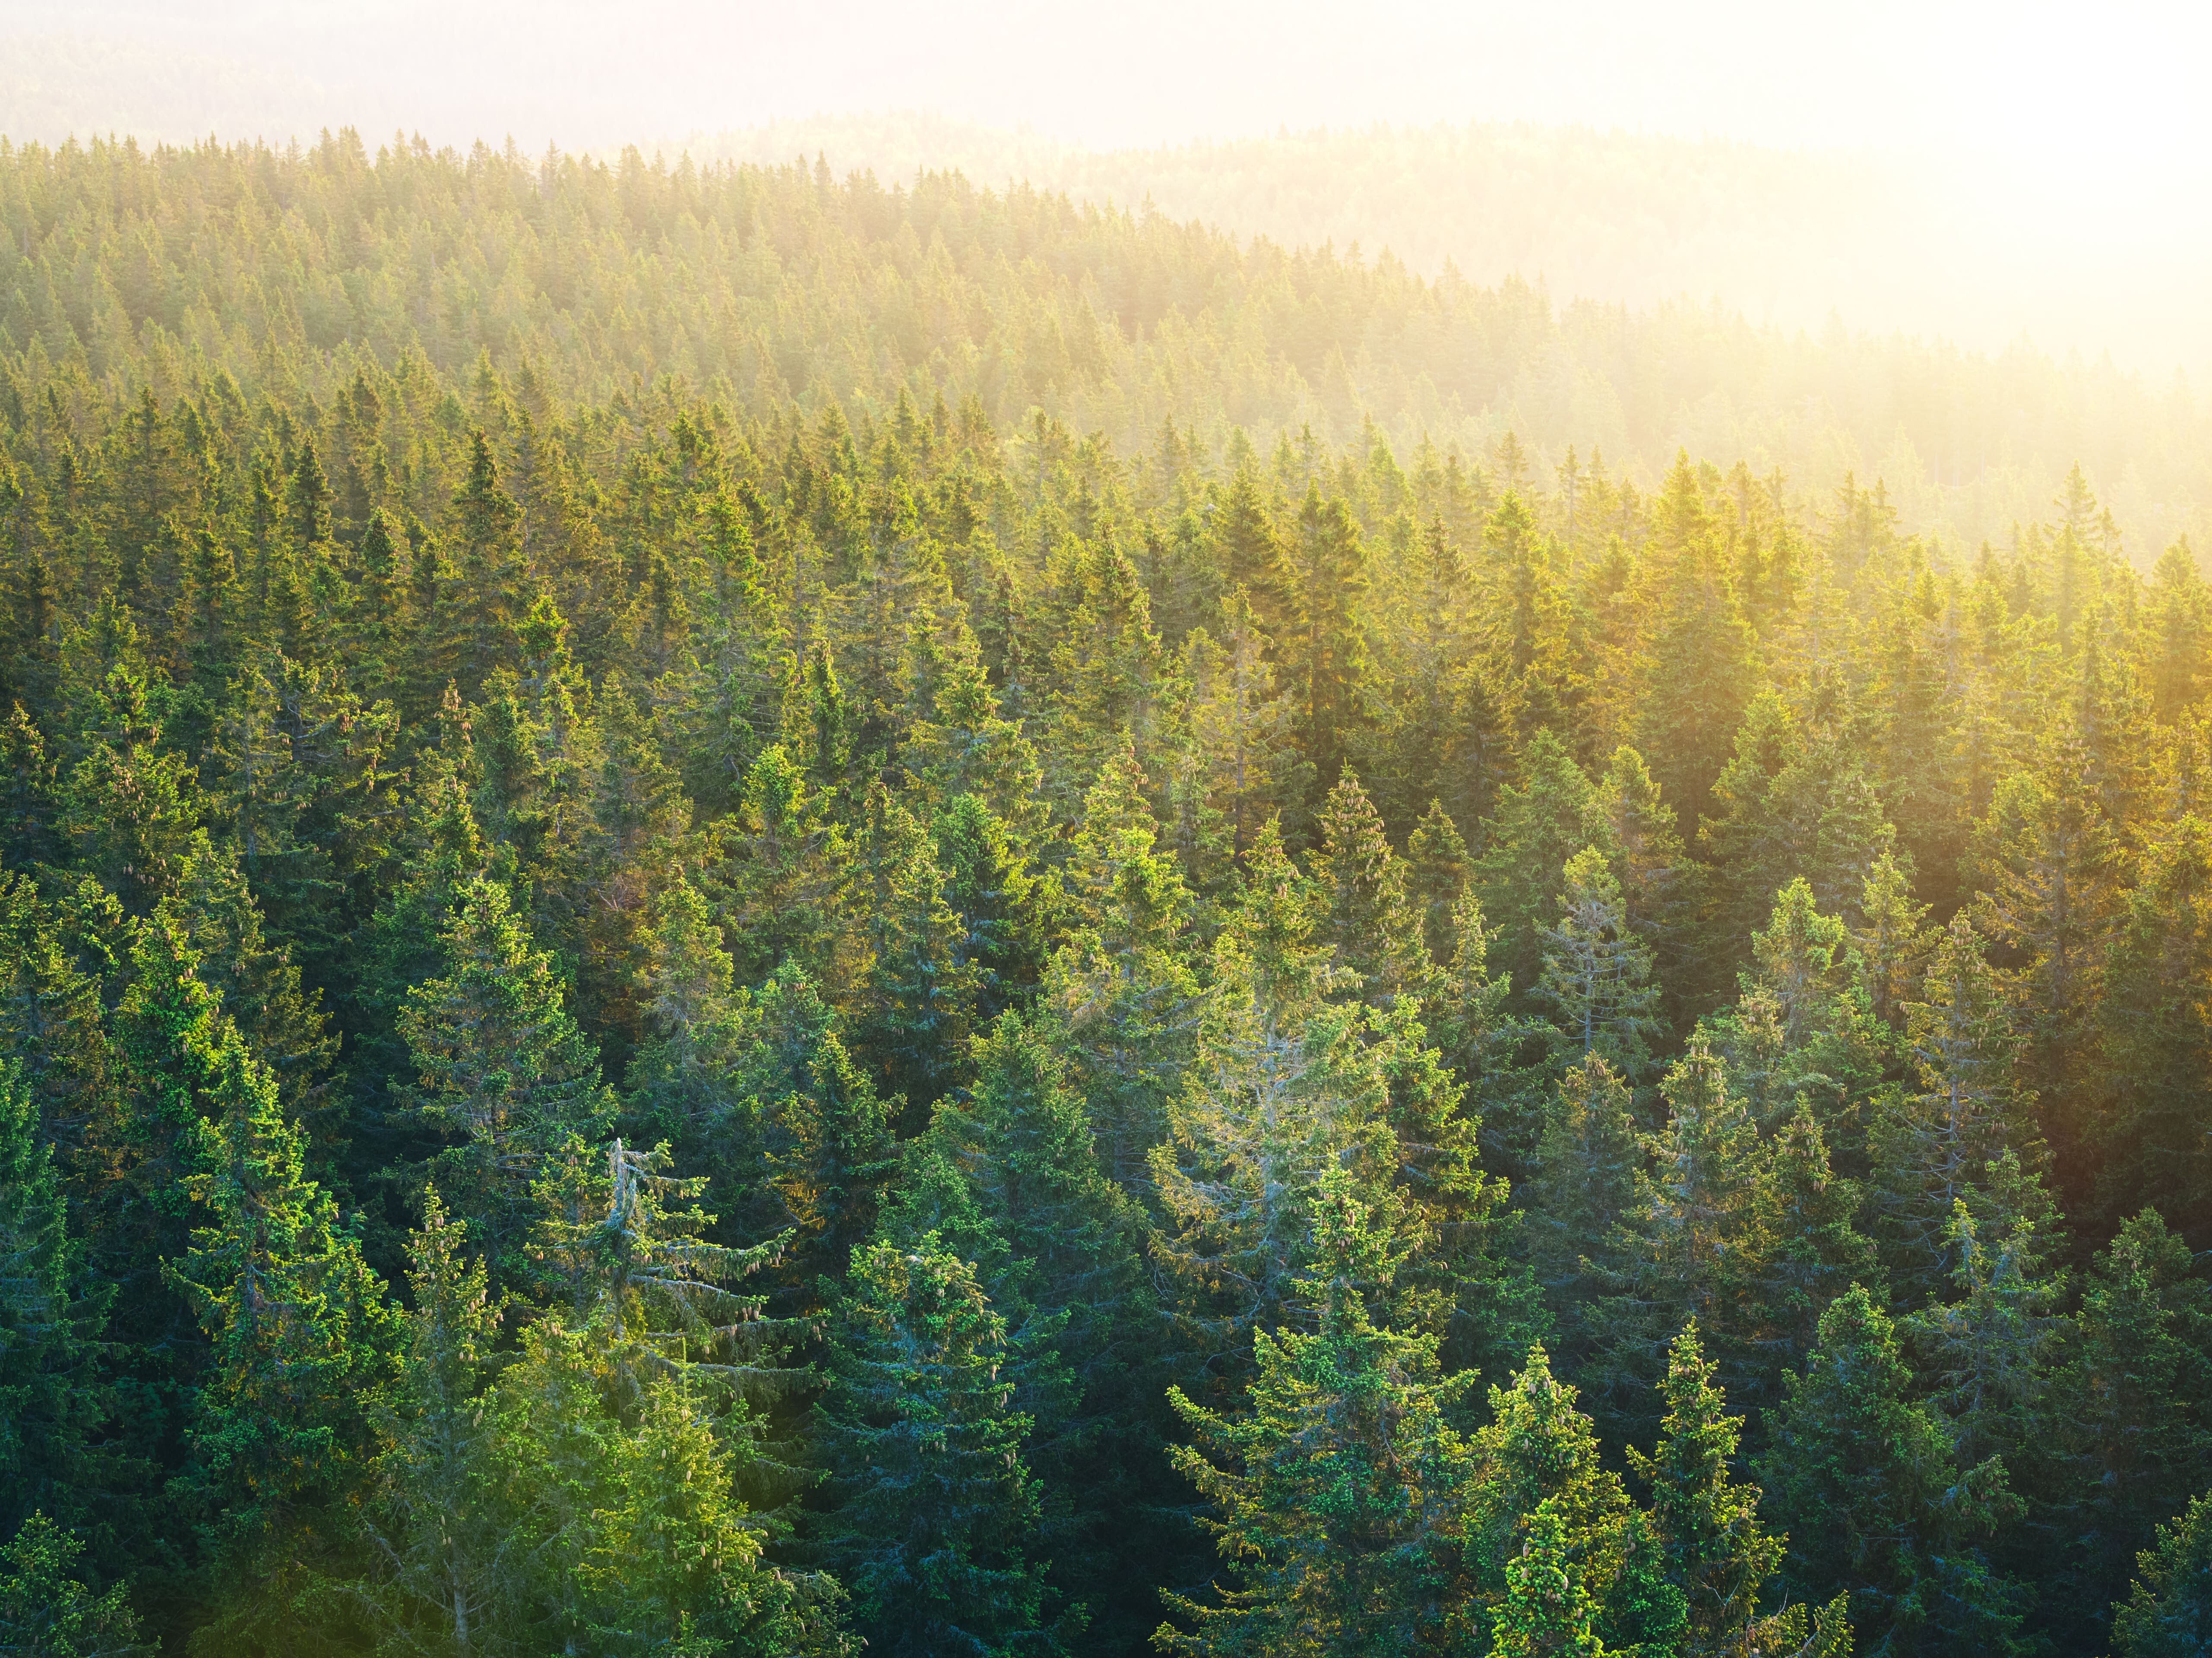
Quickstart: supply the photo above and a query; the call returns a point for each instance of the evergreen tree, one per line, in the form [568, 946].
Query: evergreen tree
[1336, 1495]
[1541, 823]
[46, 1613]
[1700, 1236]
[1595, 970]
[1932, 1145]
[1370, 926]
[2168, 1613]
[2129, 1395]
[1712, 1545]
[933, 1501]
[1989, 1352]
[54, 1399]
[300, 1337]
[448, 1570]
[502, 1068]
[1877, 1502]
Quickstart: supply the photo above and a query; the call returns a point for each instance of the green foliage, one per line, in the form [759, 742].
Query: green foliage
[764, 757]
[2169, 1607]
[44, 1612]
[1336, 1495]
[934, 1503]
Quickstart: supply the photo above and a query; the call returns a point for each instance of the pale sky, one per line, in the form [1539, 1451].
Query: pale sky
[2076, 141]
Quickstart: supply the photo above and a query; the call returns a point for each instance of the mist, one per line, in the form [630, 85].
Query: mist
[1918, 168]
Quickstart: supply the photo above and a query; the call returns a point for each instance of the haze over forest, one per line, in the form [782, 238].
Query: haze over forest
[1312, 834]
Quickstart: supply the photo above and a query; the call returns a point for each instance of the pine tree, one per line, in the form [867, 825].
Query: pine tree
[300, 1337]
[500, 1068]
[1336, 1495]
[2168, 1613]
[932, 1499]
[46, 1613]
[1877, 1502]
[1596, 971]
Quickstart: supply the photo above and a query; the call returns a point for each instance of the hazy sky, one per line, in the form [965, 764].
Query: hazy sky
[2089, 126]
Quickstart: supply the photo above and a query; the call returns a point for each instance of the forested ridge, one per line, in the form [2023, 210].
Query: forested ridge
[687, 972]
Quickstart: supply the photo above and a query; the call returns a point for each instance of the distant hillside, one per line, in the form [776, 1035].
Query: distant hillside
[760, 284]
[1789, 237]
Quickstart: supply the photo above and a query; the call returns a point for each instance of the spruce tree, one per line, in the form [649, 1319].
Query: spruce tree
[2168, 1614]
[1336, 1495]
[1596, 971]
[46, 1612]
[1965, 1109]
[502, 1070]
[1877, 1502]
[55, 1400]
[931, 1501]
[300, 1337]
[2129, 1396]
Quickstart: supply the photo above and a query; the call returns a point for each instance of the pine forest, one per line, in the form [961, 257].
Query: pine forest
[746, 912]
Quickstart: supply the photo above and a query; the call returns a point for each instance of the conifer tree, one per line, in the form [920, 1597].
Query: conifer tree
[1325, 649]
[1877, 1502]
[1370, 924]
[46, 1612]
[447, 1568]
[1699, 1236]
[1539, 1452]
[1336, 1495]
[1584, 1184]
[1658, 884]
[932, 1503]
[1596, 971]
[1548, 1609]
[1711, 1541]
[919, 989]
[1282, 1090]
[1119, 997]
[2158, 1037]
[1540, 823]
[501, 1067]
[54, 1398]
[301, 1336]
[1965, 1110]
[777, 881]
[1989, 1352]
[2168, 1613]
[2129, 1396]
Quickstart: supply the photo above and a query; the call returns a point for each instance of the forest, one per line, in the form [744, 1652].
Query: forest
[748, 914]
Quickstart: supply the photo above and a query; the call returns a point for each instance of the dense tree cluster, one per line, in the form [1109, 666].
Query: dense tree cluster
[649, 1019]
